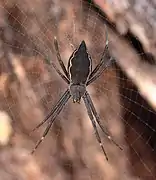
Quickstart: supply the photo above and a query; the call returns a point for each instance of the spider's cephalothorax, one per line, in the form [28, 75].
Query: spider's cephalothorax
[77, 91]
[78, 76]
[79, 68]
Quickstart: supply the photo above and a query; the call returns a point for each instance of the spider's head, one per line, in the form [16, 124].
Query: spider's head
[77, 91]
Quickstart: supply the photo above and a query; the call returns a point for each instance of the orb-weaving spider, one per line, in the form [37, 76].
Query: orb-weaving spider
[78, 76]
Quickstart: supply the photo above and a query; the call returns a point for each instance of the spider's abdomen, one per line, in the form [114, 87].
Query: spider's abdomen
[79, 65]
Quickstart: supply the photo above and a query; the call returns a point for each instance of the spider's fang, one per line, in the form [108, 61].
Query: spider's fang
[76, 101]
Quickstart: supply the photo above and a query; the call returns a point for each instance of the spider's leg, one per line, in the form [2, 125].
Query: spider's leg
[58, 71]
[90, 102]
[103, 56]
[54, 109]
[102, 61]
[94, 124]
[103, 67]
[42, 138]
[50, 123]
[59, 58]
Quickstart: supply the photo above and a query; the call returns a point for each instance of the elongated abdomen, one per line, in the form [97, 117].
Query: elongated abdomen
[79, 65]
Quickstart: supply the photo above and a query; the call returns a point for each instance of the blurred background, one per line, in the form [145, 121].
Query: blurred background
[124, 95]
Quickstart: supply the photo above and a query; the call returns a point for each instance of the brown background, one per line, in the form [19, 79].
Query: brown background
[70, 151]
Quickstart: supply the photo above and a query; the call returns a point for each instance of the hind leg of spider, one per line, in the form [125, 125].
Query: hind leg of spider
[94, 125]
[58, 71]
[50, 123]
[104, 54]
[59, 58]
[102, 67]
[54, 109]
[102, 61]
[90, 102]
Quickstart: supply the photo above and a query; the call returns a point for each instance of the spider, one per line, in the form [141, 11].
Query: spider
[78, 76]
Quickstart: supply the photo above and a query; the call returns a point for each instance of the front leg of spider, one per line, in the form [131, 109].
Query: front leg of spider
[52, 115]
[91, 105]
[94, 125]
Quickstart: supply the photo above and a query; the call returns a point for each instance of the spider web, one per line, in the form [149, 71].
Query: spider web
[29, 30]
